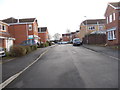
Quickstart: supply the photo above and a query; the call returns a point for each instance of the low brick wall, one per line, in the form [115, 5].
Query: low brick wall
[95, 39]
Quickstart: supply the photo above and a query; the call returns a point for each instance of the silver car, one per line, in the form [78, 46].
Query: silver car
[77, 41]
[2, 52]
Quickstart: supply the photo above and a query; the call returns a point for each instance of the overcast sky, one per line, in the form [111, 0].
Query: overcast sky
[57, 15]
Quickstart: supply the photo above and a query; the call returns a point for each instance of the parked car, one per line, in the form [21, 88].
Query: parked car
[64, 42]
[59, 43]
[2, 52]
[29, 43]
[77, 41]
[52, 43]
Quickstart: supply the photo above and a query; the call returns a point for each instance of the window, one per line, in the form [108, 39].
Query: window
[111, 35]
[30, 27]
[35, 28]
[113, 16]
[68, 36]
[119, 15]
[107, 20]
[101, 27]
[0, 27]
[3, 27]
[39, 29]
[110, 19]
[91, 28]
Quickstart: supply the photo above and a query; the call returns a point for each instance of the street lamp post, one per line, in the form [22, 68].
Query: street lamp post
[86, 29]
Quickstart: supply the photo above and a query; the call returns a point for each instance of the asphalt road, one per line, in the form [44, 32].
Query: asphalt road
[67, 66]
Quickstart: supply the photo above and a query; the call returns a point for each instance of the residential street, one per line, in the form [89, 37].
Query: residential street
[67, 66]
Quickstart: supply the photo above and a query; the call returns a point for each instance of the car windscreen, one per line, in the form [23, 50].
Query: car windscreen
[1, 49]
[76, 40]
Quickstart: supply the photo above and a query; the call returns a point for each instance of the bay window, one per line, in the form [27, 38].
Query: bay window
[111, 35]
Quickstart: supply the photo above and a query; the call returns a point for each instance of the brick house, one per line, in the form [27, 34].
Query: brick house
[92, 25]
[75, 34]
[43, 34]
[70, 36]
[112, 16]
[66, 37]
[6, 41]
[23, 29]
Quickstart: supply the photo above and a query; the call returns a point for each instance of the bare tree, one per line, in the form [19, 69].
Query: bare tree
[56, 36]
[68, 31]
[49, 37]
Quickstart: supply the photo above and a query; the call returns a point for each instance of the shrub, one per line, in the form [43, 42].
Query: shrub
[7, 54]
[17, 51]
[49, 43]
[46, 44]
[42, 45]
[33, 47]
[28, 49]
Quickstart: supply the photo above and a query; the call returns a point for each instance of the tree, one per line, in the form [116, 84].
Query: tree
[68, 31]
[49, 37]
[56, 36]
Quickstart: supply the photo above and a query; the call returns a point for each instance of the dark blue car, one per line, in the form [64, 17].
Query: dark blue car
[28, 43]
[76, 42]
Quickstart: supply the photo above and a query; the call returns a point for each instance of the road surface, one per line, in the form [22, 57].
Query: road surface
[67, 66]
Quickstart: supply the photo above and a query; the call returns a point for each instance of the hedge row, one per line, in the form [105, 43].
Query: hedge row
[18, 50]
[44, 44]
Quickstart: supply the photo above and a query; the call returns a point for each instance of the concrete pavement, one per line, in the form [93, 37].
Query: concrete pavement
[15, 65]
[105, 50]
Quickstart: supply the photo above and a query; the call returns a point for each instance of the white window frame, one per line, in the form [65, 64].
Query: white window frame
[107, 20]
[91, 27]
[4, 28]
[67, 36]
[113, 16]
[0, 26]
[110, 18]
[114, 36]
[35, 28]
[101, 27]
[111, 35]
[30, 27]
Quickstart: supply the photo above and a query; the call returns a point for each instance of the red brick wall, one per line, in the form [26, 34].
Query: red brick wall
[18, 32]
[119, 32]
[65, 38]
[33, 31]
[2, 43]
[21, 31]
[43, 37]
[109, 11]
[95, 39]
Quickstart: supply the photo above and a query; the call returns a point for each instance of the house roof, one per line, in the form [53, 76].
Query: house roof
[77, 31]
[73, 32]
[94, 21]
[42, 29]
[27, 20]
[10, 20]
[3, 22]
[13, 20]
[5, 34]
[68, 34]
[115, 4]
